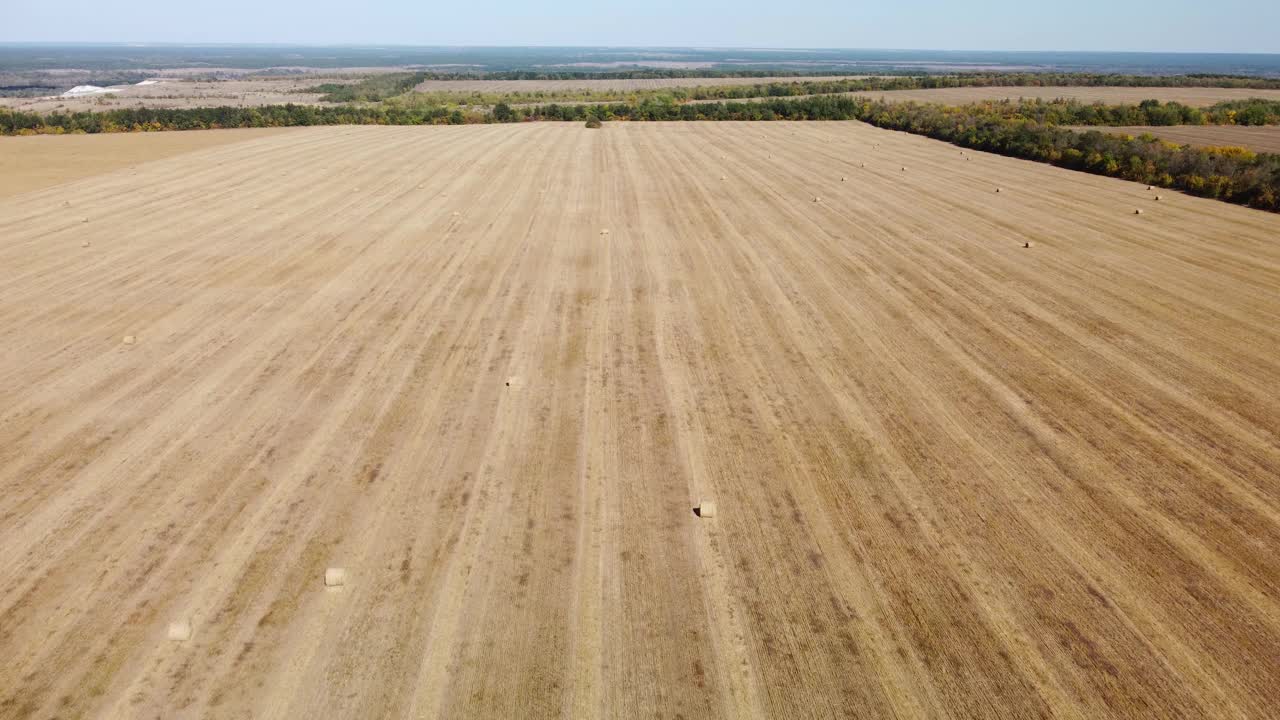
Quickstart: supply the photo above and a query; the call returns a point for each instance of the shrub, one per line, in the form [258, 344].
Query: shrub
[594, 122]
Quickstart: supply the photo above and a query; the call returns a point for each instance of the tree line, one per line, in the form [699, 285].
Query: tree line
[639, 74]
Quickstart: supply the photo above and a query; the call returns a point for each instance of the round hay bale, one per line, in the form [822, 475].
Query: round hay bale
[335, 577]
[129, 340]
[722, 177]
[904, 168]
[1150, 188]
[999, 190]
[706, 509]
[817, 199]
[85, 244]
[842, 178]
[1157, 197]
[179, 631]
[1137, 211]
[1026, 244]
[604, 231]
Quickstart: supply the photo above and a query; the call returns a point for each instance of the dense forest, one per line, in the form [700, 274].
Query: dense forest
[1027, 130]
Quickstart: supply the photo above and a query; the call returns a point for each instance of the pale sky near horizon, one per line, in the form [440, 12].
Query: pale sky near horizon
[1116, 25]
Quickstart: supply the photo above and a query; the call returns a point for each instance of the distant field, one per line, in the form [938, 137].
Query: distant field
[32, 163]
[186, 93]
[490, 370]
[1259, 139]
[528, 86]
[1109, 95]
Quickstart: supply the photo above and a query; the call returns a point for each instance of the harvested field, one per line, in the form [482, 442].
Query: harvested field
[529, 86]
[1108, 95]
[1265, 139]
[488, 372]
[32, 163]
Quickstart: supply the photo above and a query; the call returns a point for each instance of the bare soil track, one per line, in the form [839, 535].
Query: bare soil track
[955, 477]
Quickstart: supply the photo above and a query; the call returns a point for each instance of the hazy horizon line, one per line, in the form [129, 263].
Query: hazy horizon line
[169, 43]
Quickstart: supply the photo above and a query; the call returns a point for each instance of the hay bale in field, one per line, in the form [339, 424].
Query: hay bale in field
[1149, 188]
[129, 340]
[1026, 244]
[335, 577]
[722, 177]
[705, 509]
[1137, 211]
[1157, 197]
[604, 231]
[817, 199]
[179, 631]
[842, 178]
[904, 168]
[84, 244]
[999, 190]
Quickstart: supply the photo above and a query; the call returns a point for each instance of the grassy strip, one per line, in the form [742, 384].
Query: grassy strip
[1025, 130]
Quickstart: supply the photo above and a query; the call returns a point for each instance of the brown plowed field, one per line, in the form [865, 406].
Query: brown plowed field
[1264, 139]
[955, 477]
[1108, 95]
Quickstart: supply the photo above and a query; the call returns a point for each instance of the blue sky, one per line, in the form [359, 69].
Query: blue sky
[1162, 25]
